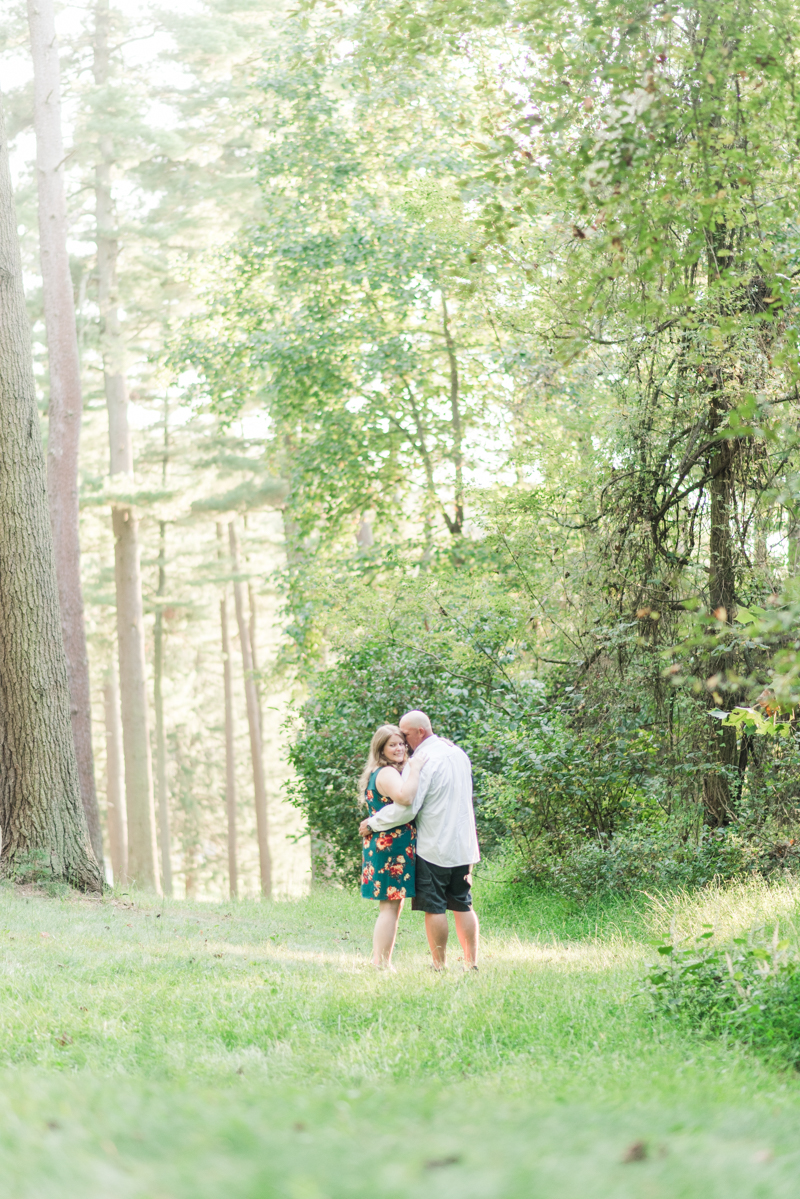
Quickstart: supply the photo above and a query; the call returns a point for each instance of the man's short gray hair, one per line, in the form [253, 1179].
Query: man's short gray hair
[418, 720]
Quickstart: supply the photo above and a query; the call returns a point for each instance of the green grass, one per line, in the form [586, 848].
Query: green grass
[173, 1050]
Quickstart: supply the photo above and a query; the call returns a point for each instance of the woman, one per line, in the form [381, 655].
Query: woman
[388, 860]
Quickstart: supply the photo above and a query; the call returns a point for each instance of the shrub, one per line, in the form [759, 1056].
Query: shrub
[748, 990]
[642, 857]
[559, 782]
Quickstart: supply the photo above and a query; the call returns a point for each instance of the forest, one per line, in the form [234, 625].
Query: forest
[452, 351]
[367, 356]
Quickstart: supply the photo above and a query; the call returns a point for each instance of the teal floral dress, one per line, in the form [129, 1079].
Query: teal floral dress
[388, 865]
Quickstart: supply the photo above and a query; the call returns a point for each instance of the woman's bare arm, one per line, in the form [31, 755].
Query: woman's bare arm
[401, 790]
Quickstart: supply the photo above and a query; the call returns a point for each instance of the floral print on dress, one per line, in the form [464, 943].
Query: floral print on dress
[388, 867]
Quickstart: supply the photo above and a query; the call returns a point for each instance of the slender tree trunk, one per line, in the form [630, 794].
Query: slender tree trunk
[190, 840]
[142, 845]
[161, 738]
[717, 799]
[793, 549]
[116, 816]
[158, 673]
[64, 426]
[41, 811]
[230, 759]
[456, 525]
[251, 603]
[251, 696]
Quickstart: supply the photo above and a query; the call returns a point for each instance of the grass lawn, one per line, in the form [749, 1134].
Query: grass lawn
[171, 1050]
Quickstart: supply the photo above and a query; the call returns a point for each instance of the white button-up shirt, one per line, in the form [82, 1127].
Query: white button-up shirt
[443, 807]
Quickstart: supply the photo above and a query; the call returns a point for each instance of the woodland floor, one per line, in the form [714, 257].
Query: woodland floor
[172, 1050]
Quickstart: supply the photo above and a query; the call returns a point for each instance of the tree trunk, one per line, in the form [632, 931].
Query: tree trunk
[251, 603]
[717, 799]
[142, 846]
[230, 759]
[456, 525]
[116, 816]
[190, 829]
[64, 412]
[793, 549]
[251, 696]
[41, 811]
[161, 739]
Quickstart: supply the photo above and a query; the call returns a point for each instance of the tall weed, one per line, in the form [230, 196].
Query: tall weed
[747, 989]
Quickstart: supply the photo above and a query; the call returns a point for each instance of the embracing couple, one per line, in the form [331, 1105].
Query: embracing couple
[419, 837]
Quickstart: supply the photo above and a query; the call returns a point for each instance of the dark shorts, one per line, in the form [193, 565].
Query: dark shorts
[440, 888]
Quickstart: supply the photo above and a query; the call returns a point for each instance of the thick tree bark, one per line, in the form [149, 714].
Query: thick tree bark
[66, 403]
[230, 758]
[251, 696]
[142, 844]
[116, 816]
[161, 737]
[41, 811]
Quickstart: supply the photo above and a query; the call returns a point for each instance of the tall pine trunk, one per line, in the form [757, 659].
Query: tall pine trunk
[230, 757]
[41, 811]
[116, 816]
[142, 845]
[158, 680]
[251, 603]
[253, 721]
[64, 425]
[161, 736]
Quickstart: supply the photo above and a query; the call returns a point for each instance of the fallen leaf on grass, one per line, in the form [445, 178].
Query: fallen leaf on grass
[48, 935]
[637, 1152]
[64, 1040]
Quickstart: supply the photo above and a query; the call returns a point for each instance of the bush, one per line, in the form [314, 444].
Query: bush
[557, 782]
[748, 990]
[643, 857]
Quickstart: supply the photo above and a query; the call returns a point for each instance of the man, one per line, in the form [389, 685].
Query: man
[447, 844]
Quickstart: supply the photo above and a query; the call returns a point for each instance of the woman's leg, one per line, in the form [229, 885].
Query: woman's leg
[383, 937]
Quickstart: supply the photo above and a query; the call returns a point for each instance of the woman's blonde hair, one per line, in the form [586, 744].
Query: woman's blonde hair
[377, 757]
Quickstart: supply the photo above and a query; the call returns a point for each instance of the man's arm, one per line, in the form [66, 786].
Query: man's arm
[390, 817]
[394, 813]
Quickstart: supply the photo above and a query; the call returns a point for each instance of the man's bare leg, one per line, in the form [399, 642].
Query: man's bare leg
[437, 931]
[385, 932]
[468, 931]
